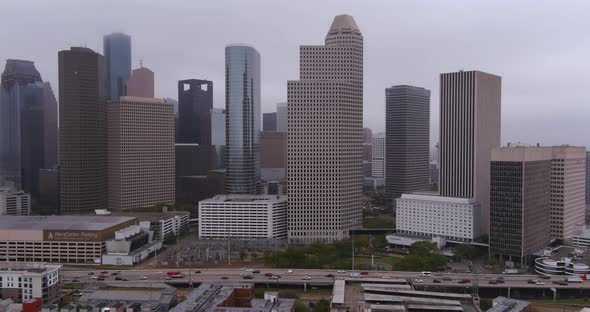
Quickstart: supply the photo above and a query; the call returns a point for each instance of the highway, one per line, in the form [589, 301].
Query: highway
[320, 278]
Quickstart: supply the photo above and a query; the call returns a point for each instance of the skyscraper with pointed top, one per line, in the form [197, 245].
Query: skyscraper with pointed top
[325, 122]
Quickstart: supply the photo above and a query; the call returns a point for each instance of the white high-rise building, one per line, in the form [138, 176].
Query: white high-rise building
[378, 158]
[325, 121]
[14, 203]
[469, 130]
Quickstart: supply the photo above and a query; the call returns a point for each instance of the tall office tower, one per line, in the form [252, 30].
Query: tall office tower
[82, 131]
[141, 83]
[367, 152]
[21, 125]
[242, 109]
[273, 155]
[325, 155]
[587, 178]
[218, 126]
[520, 197]
[568, 191]
[407, 135]
[378, 156]
[140, 153]
[469, 130]
[269, 122]
[50, 126]
[117, 52]
[282, 117]
[195, 101]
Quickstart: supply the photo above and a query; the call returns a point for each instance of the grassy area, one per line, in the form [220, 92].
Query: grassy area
[386, 260]
[380, 222]
[73, 286]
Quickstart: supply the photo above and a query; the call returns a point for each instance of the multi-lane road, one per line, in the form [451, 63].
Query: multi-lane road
[323, 277]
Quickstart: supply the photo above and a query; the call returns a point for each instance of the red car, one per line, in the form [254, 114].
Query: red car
[104, 272]
[364, 273]
[492, 282]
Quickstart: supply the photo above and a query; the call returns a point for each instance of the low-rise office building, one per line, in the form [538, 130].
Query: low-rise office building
[61, 239]
[22, 282]
[128, 296]
[163, 224]
[131, 245]
[243, 217]
[14, 203]
[425, 215]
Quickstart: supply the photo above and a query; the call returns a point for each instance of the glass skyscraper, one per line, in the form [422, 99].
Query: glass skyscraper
[242, 107]
[22, 125]
[117, 52]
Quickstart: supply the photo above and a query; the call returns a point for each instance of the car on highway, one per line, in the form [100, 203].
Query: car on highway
[386, 277]
[104, 272]
[418, 281]
[94, 277]
[532, 281]
[545, 277]
[340, 271]
[268, 274]
[77, 276]
[75, 281]
[289, 271]
[447, 279]
[118, 279]
[437, 281]
[144, 277]
[329, 275]
[307, 278]
[115, 273]
[274, 277]
[492, 282]
[159, 272]
[256, 271]
[197, 272]
[248, 277]
[425, 274]
[224, 277]
[100, 279]
[249, 270]
[90, 273]
[540, 283]
[464, 281]
[364, 273]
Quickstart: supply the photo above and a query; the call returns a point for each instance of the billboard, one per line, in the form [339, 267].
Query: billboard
[72, 236]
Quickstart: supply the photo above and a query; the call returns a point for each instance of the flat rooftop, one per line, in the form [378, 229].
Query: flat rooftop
[24, 267]
[61, 223]
[146, 216]
[208, 296]
[245, 199]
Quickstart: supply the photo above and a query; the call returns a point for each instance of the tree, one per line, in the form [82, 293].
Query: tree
[300, 307]
[242, 255]
[485, 304]
[424, 256]
[379, 242]
[254, 255]
[466, 251]
[322, 306]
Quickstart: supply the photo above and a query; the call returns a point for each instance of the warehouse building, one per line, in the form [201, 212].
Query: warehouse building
[62, 239]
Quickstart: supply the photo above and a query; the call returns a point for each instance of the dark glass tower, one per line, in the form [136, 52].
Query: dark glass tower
[83, 131]
[407, 140]
[195, 101]
[22, 125]
[117, 52]
[242, 107]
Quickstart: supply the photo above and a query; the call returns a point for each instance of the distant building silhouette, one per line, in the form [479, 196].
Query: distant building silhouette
[141, 83]
[195, 101]
[117, 53]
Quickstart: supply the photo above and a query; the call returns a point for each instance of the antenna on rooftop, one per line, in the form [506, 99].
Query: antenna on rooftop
[140, 63]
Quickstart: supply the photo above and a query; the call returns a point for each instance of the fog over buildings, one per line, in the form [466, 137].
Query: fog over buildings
[542, 58]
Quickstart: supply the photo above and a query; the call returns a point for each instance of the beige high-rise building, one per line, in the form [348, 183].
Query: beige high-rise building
[325, 122]
[568, 191]
[470, 116]
[140, 153]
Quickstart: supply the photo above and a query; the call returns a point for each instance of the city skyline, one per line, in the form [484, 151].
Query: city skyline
[532, 58]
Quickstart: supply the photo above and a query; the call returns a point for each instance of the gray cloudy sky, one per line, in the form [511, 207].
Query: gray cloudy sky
[540, 48]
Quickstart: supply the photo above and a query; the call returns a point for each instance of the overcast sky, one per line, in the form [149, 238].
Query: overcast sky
[540, 48]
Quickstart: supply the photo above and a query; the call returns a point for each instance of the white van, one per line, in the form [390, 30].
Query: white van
[425, 274]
